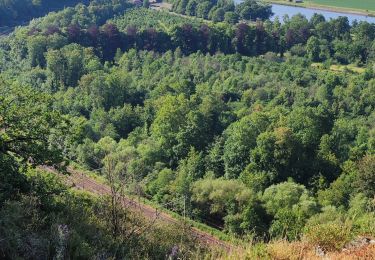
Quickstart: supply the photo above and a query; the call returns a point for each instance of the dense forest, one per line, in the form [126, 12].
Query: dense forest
[261, 129]
[223, 10]
[14, 12]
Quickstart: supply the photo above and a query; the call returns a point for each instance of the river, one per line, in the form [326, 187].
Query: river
[281, 10]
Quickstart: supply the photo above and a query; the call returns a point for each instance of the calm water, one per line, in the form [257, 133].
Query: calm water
[281, 10]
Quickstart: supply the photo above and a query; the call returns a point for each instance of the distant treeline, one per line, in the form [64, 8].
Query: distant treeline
[223, 10]
[316, 38]
[13, 12]
[16, 12]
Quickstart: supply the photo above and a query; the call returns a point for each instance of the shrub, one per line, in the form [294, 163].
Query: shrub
[330, 236]
[287, 225]
[366, 176]
[283, 249]
[362, 214]
[258, 251]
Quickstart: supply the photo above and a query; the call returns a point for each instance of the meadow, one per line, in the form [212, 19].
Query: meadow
[362, 4]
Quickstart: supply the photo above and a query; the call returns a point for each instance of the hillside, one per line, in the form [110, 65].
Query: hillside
[258, 135]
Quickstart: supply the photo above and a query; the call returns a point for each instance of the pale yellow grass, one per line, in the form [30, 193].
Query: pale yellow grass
[300, 250]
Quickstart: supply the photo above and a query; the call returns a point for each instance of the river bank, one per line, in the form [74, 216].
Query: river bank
[324, 7]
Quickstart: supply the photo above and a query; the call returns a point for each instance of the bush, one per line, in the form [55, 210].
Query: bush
[286, 250]
[365, 224]
[361, 212]
[287, 225]
[366, 176]
[330, 236]
[258, 251]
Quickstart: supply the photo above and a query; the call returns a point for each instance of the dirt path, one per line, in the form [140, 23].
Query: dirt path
[161, 6]
[81, 181]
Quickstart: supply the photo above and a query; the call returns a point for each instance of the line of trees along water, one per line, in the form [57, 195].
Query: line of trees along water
[317, 39]
[282, 10]
[230, 124]
[224, 10]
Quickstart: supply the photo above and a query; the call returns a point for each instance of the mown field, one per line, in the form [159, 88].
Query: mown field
[356, 4]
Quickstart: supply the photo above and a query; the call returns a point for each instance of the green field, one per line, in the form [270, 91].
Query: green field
[366, 7]
[355, 4]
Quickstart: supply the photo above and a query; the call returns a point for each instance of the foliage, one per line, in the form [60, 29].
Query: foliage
[221, 10]
[234, 125]
[142, 18]
[366, 175]
[329, 236]
[53, 221]
[15, 12]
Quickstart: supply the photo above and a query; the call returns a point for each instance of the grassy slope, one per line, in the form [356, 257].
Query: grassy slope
[200, 226]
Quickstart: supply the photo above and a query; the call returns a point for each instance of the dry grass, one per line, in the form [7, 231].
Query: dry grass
[350, 67]
[366, 252]
[299, 250]
[340, 68]
[284, 250]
